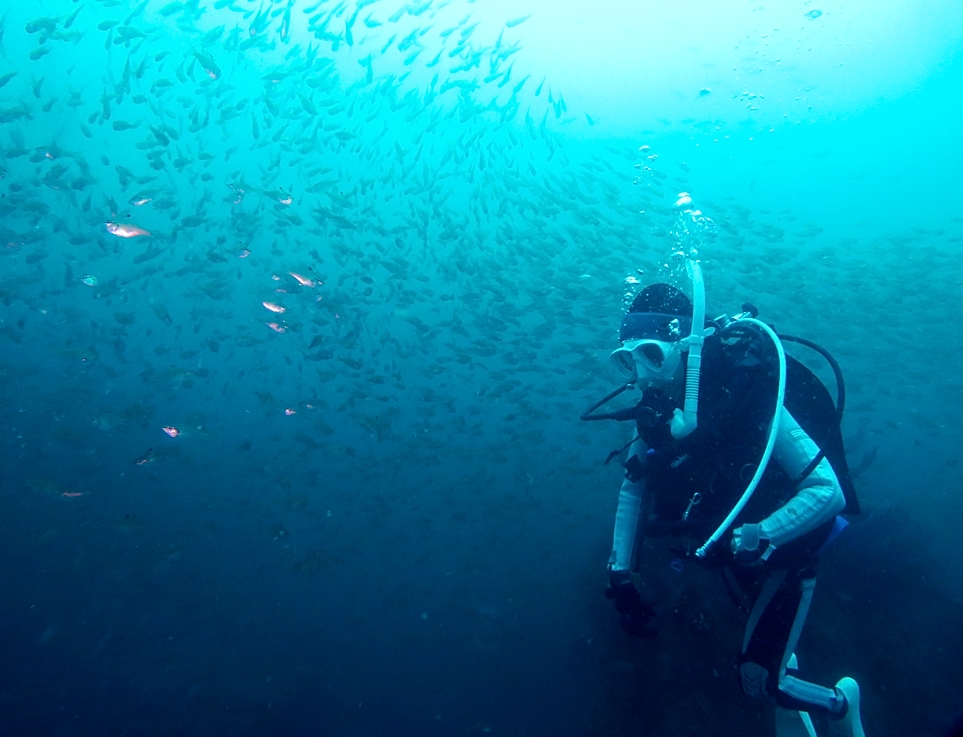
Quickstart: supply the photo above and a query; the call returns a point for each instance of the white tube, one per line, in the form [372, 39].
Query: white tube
[773, 431]
[684, 422]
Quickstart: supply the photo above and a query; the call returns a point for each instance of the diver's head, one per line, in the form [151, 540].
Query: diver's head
[651, 334]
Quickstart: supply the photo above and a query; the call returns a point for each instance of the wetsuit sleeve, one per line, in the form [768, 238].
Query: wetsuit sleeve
[631, 497]
[819, 497]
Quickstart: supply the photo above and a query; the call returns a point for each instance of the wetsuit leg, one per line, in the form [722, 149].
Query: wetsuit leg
[772, 633]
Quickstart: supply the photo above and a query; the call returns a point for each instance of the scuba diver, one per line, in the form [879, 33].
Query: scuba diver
[737, 455]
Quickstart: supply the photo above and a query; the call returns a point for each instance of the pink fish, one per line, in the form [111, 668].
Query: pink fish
[277, 309]
[172, 431]
[125, 231]
[275, 327]
[244, 253]
[71, 494]
[290, 411]
[303, 280]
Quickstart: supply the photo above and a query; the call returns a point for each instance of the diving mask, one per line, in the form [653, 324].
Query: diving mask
[650, 345]
[649, 360]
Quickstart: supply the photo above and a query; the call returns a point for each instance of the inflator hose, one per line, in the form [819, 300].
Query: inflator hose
[767, 454]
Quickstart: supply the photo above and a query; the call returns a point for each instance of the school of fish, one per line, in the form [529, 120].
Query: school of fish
[358, 213]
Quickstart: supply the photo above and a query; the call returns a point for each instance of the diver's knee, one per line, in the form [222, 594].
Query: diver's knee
[755, 680]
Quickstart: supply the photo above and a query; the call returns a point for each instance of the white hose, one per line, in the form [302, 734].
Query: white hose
[684, 422]
[773, 431]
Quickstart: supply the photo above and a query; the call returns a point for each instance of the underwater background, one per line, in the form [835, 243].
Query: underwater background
[302, 300]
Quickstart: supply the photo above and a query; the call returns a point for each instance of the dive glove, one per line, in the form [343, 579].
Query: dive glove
[748, 546]
[634, 613]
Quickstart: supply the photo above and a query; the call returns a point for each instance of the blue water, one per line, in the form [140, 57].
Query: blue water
[359, 500]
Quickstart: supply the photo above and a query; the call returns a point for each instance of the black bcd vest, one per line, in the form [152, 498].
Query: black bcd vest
[737, 394]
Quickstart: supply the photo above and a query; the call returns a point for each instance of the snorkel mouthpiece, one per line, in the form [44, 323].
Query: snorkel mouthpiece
[686, 420]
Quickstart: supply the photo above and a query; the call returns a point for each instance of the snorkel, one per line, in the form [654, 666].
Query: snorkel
[686, 420]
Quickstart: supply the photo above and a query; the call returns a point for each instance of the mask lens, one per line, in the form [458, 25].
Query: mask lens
[624, 362]
[653, 355]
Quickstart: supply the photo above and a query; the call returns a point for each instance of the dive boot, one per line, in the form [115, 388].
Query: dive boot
[850, 724]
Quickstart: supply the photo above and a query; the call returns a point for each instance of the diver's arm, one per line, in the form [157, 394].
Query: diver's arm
[819, 496]
[634, 613]
[627, 521]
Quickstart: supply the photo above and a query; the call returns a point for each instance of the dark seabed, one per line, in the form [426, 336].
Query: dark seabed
[300, 302]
